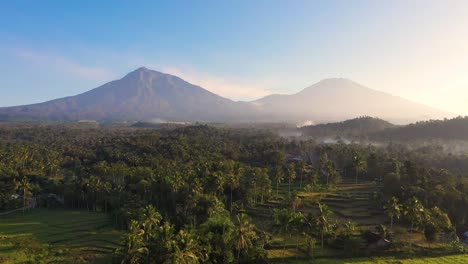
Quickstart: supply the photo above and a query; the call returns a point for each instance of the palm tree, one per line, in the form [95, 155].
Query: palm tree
[283, 219]
[310, 227]
[184, 249]
[359, 164]
[301, 168]
[233, 172]
[25, 186]
[297, 222]
[278, 177]
[414, 211]
[393, 209]
[151, 221]
[135, 246]
[323, 221]
[397, 165]
[291, 176]
[244, 234]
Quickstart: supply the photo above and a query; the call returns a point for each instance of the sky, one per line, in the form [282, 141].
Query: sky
[240, 49]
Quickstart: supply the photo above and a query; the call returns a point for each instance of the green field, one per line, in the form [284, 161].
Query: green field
[57, 236]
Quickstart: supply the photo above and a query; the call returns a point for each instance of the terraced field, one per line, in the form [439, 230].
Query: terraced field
[355, 202]
[349, 202]
[62, 235]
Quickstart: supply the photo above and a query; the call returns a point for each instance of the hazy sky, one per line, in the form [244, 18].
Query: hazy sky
[238, 49]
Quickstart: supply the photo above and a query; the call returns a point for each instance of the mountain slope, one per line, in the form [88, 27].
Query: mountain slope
[447, 129]
[341, 99]
[141, 95]
[146, 95]
[353, 127]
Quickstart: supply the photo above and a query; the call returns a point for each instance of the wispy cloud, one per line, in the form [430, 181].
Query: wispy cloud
[66, 65]
[230, 87]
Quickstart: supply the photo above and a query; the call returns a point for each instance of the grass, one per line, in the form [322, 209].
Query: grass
[58, 236]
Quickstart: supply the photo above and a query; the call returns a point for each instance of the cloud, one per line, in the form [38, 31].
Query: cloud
[66, 65]
[229, 87]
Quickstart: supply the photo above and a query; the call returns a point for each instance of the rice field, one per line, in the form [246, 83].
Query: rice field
[57, 236]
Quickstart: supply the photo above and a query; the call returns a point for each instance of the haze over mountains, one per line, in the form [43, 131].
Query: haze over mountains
[147, 95]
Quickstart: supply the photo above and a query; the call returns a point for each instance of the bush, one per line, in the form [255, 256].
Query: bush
[430, 232]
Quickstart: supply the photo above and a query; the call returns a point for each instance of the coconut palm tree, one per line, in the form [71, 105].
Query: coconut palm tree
[359, 164]
[301, 166]
[232, 172]
[151, 221]
[278, 176]
[26, 187]
[243, 234]
[184, 249]
[393, 209]
[323, 221]
[414, 211]
[135, 247]
[291, 176]
[283, 220]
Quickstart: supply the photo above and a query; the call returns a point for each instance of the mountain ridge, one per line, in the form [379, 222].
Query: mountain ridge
[145, 94]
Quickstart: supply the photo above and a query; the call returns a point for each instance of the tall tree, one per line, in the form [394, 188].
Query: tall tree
[277, 174]
[135, 246]
[244, 233]
[291, 176]
[323, 221]
[393, 209]
[359, 164]
[26, 187]
[414, 212]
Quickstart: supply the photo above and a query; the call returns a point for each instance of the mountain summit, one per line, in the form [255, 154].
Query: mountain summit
[145, 95]
[340, 99]
[141, 95]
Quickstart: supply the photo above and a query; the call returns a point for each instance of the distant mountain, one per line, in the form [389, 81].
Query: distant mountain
[141, 95]
[349, 128]
[147, 95]
[341, 99]
[447, 129]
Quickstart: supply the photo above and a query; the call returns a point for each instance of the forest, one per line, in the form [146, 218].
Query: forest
[205, 194]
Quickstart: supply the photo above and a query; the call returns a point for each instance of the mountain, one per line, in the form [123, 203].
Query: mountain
[340, 99]
[141, 95]
[349, 128]
[147, 95]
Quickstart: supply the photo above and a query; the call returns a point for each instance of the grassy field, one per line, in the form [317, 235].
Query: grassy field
[57, 236]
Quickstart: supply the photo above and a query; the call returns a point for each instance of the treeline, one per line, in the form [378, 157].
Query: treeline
[182, 193]
[447, 129]
[369, 128]
[354, 128]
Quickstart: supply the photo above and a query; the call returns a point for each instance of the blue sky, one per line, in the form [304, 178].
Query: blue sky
[239, 49]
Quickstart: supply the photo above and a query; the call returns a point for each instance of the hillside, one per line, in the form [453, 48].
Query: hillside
[147, 95]
[353, 127]
[141, 95]
[339, 99]
[447, 129]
